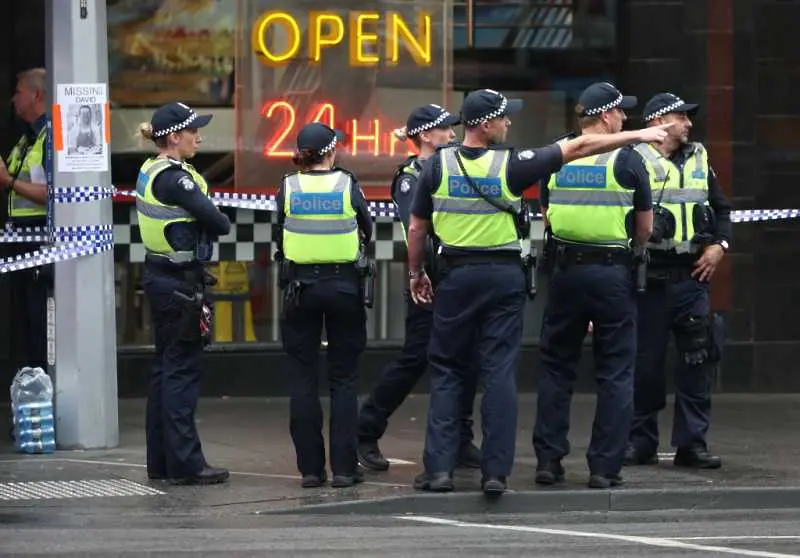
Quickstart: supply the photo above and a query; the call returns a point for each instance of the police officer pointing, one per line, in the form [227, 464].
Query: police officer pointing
[593, 206]
[470, 197]
[691, 234]
[178, 222]
[323, 219]
[428, 127]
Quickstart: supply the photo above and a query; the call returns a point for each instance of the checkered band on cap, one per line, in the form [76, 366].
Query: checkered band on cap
[175, 127]
[665, 110]
[604, 108]
[494, 114]
[428, 125]
[328, 147]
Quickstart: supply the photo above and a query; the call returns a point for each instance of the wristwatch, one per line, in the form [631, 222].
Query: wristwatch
[415, 274]
[724, 244]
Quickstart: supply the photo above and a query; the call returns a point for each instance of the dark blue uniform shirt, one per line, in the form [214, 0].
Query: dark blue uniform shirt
[525, 168]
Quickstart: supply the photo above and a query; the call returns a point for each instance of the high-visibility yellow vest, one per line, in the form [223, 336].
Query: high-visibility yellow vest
[678, 190]
[154, 216]
[587, 204]
[461, 217]
[20, 163]
[320, 222]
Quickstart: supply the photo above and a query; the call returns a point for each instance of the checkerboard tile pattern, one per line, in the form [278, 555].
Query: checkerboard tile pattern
[251, 237]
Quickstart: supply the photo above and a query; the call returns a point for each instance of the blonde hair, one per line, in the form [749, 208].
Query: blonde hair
[401, 133]
[144, 132]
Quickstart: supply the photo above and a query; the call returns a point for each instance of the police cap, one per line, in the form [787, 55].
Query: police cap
[174, 117]
[664, 103]
[428, 117]
[601, 97]
[487, 104]
[318, 137]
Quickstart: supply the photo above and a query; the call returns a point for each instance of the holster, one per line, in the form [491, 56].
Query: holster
[529, 267]
[367, 270]
[548, 260]
[641, 259]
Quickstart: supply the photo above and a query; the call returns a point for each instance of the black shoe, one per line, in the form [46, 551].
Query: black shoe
[156, 476]
[434, 482]
[469, 457]
[696, 458]
[493, 486]
[550, 473]
[314, 481]
[209, 475]
[344, 481]
[605, 481]
[635, 457]
[370, 456]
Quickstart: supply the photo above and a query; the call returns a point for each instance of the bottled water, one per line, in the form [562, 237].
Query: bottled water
[32, 409]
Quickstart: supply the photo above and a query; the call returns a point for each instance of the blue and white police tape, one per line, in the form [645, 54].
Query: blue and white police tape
[39, 234]
[82, 194]
[56, 253]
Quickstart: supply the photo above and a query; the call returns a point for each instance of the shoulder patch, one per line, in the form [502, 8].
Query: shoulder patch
[526, 155]
[186, 183]
[405, 184]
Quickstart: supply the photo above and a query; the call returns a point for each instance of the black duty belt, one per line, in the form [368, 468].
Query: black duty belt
[584, 254]
[669, 274]
[507, 257]
[311, 271]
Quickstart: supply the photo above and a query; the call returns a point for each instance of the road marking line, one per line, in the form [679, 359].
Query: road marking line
[395, 461]
[139, 465]
[647, 541]
[737, 538]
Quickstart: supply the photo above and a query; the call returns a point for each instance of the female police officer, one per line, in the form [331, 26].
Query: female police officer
[175, 214]
[428, 127]
[321, 210]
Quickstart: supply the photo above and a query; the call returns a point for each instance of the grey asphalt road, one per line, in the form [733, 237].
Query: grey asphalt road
[673, 534]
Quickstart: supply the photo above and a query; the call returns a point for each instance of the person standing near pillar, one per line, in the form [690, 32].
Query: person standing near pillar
[24, 179]
[177, 221]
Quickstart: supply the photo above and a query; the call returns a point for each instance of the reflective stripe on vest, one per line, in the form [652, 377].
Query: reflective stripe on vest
[678, 191]
[320, 223]
[154, 217]
[20, 165]
[586, 203]
[461, 217]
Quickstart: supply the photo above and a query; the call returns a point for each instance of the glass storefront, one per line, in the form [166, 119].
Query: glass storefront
[264, 68]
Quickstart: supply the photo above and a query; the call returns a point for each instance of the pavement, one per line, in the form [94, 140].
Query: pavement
[106, 492]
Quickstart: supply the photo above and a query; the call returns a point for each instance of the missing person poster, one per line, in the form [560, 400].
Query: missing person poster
[81, 127]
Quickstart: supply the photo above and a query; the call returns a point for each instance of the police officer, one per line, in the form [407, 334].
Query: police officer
[325, 223]
[24, 182]
[428, 127]
[177, 221]
[692, 231]
[593, 206]
[470, 197]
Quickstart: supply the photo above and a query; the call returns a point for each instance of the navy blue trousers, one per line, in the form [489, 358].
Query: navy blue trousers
[604, 295]
[400, 376]
[662, 309]
[335, 302]
[173, 444]
[477, 328]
